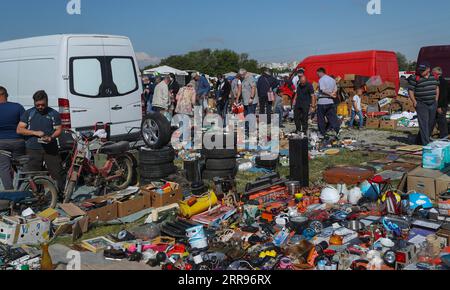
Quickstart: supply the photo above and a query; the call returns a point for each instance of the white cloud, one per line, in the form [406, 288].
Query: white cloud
[145, 59]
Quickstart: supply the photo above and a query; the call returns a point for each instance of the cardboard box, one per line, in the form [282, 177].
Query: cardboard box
[133, 206]
[160, 200]
[346, 84]
[373, 123]
[388, 124]
[350, 77]
[19, 231]
[386, 86]
[373, 101]
[372, 89]
[107, 211]
[365, 99]
[442, 184]
[8, 232]
[425, 181]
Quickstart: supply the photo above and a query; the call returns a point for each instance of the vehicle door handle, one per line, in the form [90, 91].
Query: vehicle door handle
[117, 108]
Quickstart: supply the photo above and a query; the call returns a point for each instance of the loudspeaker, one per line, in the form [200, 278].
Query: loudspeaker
[193, 171]
[299, 161]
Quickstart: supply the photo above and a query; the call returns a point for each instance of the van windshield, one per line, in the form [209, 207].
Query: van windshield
[103, 76]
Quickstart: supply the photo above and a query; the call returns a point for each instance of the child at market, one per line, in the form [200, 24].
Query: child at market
[356, 108]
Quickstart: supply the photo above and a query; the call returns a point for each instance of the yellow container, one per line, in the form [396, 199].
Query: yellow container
[342, 109]
[202, 205]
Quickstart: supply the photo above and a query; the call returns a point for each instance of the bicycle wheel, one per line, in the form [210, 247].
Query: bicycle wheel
[123, 166]
[44, 190]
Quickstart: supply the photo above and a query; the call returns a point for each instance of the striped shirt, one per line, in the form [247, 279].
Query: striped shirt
[424, 89]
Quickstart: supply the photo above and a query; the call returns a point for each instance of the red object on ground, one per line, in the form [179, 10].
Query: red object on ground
[364, 63]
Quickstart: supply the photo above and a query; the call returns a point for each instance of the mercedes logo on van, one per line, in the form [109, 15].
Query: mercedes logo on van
[108, 91]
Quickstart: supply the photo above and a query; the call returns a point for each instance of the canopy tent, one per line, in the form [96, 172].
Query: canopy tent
[230, 75]
[165, 70]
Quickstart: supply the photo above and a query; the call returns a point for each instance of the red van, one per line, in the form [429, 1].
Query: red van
[436, 56]
[363, 63]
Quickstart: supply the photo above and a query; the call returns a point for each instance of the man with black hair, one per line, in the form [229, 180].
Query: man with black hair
[424, 93]
[41, 126]
[223, 91]
[325, 103]
[10, 142]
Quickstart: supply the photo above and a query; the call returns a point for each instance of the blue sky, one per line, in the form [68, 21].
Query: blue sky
[269, 30]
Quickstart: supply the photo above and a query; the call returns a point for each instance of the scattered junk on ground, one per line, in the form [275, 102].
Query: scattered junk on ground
[388, 214]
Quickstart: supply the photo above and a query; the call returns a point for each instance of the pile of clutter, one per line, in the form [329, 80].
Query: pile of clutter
[277, 224]
[384, 107]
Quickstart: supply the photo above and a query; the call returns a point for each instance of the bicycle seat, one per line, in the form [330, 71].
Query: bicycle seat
[21, 161]
[116, 148]
[15, 196]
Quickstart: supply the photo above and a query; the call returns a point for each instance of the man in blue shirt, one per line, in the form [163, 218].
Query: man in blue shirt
[41, 126]
[10, 141]
[203, 89]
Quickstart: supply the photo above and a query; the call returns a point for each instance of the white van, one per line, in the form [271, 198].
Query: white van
[89, 79]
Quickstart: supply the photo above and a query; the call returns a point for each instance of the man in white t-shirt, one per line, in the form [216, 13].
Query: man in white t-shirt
[356, 109]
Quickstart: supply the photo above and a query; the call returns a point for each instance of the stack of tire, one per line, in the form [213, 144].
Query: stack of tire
[156, 160]
[156, 164]
[267, 162]
[220, 162]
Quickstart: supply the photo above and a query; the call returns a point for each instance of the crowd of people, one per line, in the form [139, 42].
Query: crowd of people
[262, 95]
[34, 132]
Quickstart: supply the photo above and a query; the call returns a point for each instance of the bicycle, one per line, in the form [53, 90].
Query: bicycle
[33, 189]
[108, 166]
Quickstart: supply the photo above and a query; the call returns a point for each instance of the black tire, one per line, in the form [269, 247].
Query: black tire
[47, 193]
[221, 164]
[149, 156]
[210, 174]
[271, 164]
[219, 153]
[156, 130]
[158, 171]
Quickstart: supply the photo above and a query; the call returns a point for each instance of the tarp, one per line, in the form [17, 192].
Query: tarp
[165, 70]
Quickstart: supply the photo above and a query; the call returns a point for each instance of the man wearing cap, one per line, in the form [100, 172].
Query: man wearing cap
[441, 117]
[203, 89]
[424, 93]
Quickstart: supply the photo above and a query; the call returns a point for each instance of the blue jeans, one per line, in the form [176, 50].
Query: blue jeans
[328, 112]
[361, 119]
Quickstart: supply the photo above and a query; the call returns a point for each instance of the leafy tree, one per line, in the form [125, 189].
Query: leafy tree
[211, 62]
[403, 63]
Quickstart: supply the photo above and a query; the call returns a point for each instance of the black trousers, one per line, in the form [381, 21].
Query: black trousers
[301, 115]
[52, 161]
[265, 107]
[442, 123]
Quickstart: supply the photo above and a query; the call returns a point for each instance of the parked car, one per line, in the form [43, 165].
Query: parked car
[89, 79]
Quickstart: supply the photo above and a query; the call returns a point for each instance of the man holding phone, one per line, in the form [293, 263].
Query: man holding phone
[41, 125]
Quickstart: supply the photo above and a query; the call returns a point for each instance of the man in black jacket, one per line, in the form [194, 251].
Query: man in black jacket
[223, 90]
[441, 117]
[266, 83]
[303, 103]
